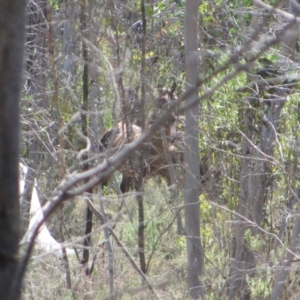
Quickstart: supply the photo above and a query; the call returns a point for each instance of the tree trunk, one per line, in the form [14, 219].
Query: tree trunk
[139, 184]
[192, 175]
[35, 52]
[258, 146]
[289, 44]
[69, 39]
[12, 16]
[84, 128]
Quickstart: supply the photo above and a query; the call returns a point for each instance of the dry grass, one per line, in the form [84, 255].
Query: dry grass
[46, 276]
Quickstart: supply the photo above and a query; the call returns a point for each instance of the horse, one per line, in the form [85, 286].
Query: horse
[155, 160]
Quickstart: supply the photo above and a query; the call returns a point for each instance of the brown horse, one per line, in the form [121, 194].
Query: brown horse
[155, 161]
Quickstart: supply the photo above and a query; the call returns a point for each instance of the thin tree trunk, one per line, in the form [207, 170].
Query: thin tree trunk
[61, 157]
[35, 50]
[191, 153]
[68, 39]
[119, 103]
[95, 120]
[139, 185]
[84, 126]
[289, 44]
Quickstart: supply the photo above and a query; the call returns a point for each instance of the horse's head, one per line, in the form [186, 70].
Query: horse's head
[166, 96]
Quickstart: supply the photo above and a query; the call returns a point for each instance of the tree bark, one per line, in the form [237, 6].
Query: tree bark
[12, 28]
[258, 146]
[192, 175]
[139, 184]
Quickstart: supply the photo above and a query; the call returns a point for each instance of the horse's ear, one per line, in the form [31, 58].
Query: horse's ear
[173, 88]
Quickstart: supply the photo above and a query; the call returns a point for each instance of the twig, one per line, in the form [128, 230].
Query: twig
[119, 243]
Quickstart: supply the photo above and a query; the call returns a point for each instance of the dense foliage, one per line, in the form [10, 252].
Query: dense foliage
[84, 73]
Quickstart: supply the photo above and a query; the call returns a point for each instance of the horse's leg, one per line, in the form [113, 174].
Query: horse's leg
[125, 184]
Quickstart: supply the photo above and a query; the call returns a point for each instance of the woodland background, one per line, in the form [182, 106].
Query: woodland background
[85, 63]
